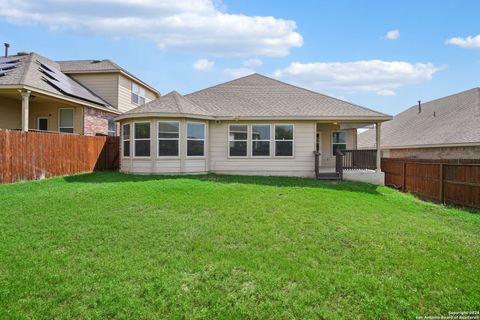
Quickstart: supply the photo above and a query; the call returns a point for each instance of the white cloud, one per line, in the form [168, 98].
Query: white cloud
[255, 62]
[468, 42]
[381, 77]
[392, 35]
[193, 26]
[237, 72]
[203, 65]
[386, 93]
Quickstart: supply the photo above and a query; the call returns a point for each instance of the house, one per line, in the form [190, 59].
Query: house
[253, 125]
[80, 97]
[445, 128]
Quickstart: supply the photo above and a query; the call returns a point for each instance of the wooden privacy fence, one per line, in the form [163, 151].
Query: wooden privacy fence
[454, 182]
[37, 155]
[359, 159]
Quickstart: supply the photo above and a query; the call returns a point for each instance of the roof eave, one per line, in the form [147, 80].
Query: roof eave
[439, 145]
[57, 96]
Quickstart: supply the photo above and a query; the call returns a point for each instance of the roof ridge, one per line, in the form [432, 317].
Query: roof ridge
[175, 95]
[28, 63]
[221, 84]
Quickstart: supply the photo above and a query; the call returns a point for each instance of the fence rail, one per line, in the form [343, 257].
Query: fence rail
[454, 182]
[37, 155]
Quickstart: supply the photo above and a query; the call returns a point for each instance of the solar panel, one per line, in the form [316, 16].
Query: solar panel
[7, 65]
[67, 85]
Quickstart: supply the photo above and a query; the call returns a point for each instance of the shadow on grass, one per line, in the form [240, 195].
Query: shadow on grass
[115, 177]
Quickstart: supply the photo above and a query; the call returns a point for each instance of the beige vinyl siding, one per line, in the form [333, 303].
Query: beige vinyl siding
[50, 110]
[301, 164]
[105, 85]
[10, 113]
[125, 94]
[167, 165]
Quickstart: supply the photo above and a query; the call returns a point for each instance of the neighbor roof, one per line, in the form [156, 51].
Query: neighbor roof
[98, 66]
[29, 72]
[258, 96]
[452, 120]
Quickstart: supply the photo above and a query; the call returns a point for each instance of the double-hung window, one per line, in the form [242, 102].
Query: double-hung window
[195, 139]
[339, 141]
[168, 138]
[260, 140]
[65, 122]
[141, 139]
[138, 94]
[126, 139]
[237, 140]
[284, 140]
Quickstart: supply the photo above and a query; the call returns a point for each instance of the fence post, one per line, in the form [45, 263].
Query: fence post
[317, 163]
[339, 164]
[404, 176]
[442, 197]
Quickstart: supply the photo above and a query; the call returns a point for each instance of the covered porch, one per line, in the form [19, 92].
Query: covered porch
[30, 111]
[337, 157]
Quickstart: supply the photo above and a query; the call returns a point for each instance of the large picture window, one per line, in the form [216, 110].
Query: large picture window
[112, 126]
[126, 140]
[339, 141]
[195, 139]
[168, 138]
[142, 139]
[138, 94]
[284, 140]
[65, 122]
[237, 140]
[260, 140]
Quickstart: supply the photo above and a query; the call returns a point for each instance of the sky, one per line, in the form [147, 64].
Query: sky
[384, 55]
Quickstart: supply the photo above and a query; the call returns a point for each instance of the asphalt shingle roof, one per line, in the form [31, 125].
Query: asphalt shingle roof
[453, 119]
[28, 73]
[258, 96]
[171, 103]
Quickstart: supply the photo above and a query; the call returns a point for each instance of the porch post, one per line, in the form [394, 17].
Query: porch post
[378, 126]
[25, 105]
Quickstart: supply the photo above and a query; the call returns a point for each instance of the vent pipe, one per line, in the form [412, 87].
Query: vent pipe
[419, 106]
[7, 45]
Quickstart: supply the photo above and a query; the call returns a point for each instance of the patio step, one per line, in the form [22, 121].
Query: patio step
[328, 176]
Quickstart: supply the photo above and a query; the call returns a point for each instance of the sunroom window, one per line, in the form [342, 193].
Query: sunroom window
[126, 140]
[237, 140]
[142, 139]
[168, 138]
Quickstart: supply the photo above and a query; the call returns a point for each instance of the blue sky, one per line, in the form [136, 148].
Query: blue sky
[338, 48]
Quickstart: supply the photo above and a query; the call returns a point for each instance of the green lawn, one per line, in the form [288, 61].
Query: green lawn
[108, 245]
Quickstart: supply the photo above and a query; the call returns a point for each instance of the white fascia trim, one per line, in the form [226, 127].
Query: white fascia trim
[442, 145]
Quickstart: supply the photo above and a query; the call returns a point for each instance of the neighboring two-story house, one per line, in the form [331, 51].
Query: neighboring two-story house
[80, 96]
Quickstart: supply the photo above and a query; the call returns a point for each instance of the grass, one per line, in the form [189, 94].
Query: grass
[109, 245]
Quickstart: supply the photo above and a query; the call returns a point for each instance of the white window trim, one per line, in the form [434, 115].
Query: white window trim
[177, 139]
[204, 140]
[229, 140]
[270, 140]
[332, 143]
[275, 141]
[141, 139]
[125, 140]
[38, 122]
[73, 120]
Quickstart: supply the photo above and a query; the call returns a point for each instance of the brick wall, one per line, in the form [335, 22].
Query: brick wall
[472, 152]
[95, 121]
